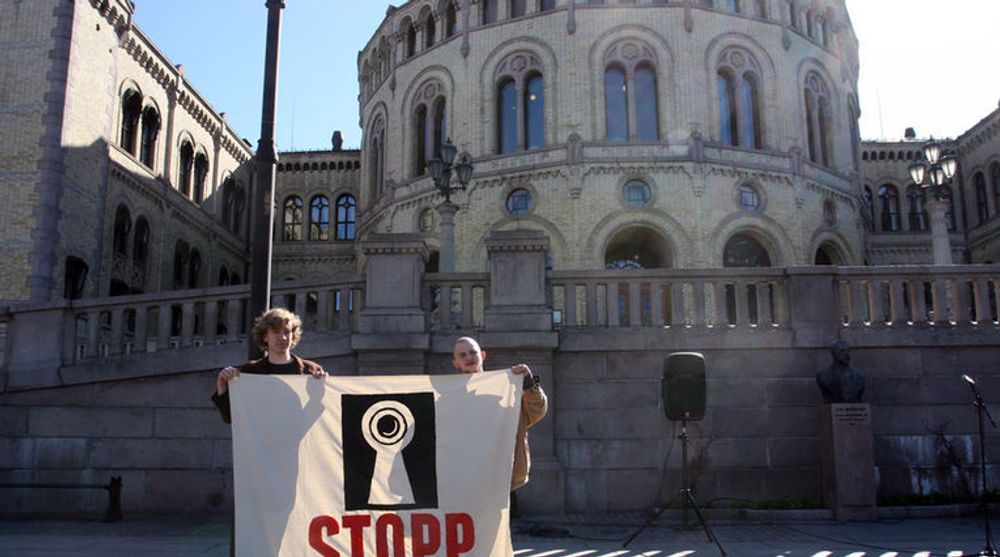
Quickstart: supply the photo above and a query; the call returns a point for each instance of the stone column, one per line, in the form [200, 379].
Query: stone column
[518, 324]
[446, 257]
[938, 211]
[392, 334]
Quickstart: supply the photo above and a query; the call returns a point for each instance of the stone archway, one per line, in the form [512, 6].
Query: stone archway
[827, 255]
[638, 247]
[743, 250]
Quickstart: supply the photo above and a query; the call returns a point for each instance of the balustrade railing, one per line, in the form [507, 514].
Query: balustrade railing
[455, 301]
[708, 298]
[169, 320]
[911, 296]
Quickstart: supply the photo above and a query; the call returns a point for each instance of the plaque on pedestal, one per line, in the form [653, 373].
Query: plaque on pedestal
[848, 461]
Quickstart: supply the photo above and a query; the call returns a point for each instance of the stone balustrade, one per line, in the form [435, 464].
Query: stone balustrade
[465, 294]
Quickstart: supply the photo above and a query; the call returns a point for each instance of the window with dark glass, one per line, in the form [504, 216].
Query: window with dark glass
[450, 20]
[74, 278]
[489, 11]
[185, 168]
[750, 126]
[194, 269]
[743, 250]
[517, 8]
[824, 130]
[917, 215]
[430, 31]
[982, 202]
[123, 227]
[440, 127]
[182, 253]
[507, 117]
[761, 8]
[131, 112]
[647, 115]
[292, 219]
[223, 276]
[727, 110]
[319, 218]
[411, 40]
[346, 208]
[421, 130]
[811, 125]
[547, 5]
[200, 176]
[889, 199]
[519, 202]
[995, 178]
[637, 193]
[238, 204]
[616, 104]
[534, 114]
[140, 255]
[150, 131]
[730, 5]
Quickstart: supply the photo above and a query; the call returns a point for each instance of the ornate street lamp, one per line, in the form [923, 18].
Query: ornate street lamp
[441, 170]
[936, 175]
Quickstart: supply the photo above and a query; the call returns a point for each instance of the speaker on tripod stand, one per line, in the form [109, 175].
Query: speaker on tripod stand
[685, 397]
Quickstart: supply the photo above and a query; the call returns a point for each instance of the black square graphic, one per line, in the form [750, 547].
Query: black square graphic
[402, 426]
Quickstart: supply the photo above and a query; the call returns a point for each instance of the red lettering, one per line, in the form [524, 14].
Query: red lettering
[357, 524]
[426, 533]
[317, 540]
[460, 533]
[382, 534]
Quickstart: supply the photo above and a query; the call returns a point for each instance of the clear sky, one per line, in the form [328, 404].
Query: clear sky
[924, 63]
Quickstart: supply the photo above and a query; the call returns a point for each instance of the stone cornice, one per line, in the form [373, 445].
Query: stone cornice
[395, 244]
[517, 240]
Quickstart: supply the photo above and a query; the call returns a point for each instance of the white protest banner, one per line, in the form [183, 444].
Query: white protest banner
[400, 466]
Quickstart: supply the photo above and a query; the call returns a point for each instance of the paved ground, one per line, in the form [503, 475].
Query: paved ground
[588, 537]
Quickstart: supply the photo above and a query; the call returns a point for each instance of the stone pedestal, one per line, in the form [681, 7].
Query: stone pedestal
[848, 462]
[41, 342]
[941, 243]
[446, 255]
[517, 282]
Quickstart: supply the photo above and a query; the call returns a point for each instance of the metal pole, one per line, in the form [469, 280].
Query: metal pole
[266, 161]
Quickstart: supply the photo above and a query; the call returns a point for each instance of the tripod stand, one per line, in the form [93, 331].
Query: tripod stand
[687, 499]
[981, 410]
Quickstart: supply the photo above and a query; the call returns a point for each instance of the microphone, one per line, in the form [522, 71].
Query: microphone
[968, 379]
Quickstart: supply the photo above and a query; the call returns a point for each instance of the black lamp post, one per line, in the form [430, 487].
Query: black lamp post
[936, 175]
[441, 170]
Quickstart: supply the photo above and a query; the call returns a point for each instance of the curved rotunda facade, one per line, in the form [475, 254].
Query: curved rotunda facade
[680, 134]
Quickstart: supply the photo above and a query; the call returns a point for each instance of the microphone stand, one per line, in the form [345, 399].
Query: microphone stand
[981, 409]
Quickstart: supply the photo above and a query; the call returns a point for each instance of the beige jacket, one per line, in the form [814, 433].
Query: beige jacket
[534, 405]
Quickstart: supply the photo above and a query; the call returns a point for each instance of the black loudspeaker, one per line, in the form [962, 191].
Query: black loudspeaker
[683, 386]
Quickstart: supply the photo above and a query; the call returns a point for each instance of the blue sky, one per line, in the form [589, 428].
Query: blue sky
[220, 43]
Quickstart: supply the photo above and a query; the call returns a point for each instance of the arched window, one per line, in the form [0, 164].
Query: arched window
[131, 112]
[793, 14]
[74, 278]
[534, 114]
[430, 30]
[520, 118]
[430, 128]
[982, 202]
[739, 99]
[450, 20]
[853, 114]
[346, 214]
[489, 11]
[440, 127]
[750, 124]
[376, 159]
[410, 33]
[200, 176]
[228, 190]
[761, 6]
[140, 255]
[630, 96]
[917, 215]
[185, 168]
[319, 218]
[818, 119]
[889, 199]
[869, 201]
[420, 163]
[727, 109]
[518, 8]
[291, 229]
[238, 205]
[182, 255]
[223, 276]
[547, 5]
[150, 130]
[995, 178]
[123, 227]
[194, 269]
[519, 202]
[743, 250]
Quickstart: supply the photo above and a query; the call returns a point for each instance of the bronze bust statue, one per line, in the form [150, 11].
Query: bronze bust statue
[840, 382]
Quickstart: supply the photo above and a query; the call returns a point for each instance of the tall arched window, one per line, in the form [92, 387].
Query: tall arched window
[123, 227]
[410, 33]
[184, 171]
[430, 29]
[430, 129]
[420, 163]
[995, 178]
[150, 131]
[982, 202]
[200, 177]
[194, 269]
[761, 6]
[238, 205]
[489, 11]
[140, 255]
[440, 127]
[520, 117]
[870, 203]
[819, 120]
[739, 99]
[319, 218]
[916, 198]
[74, 278]
[852, 116]
[376, 159]
[450, 20]
[291, 229]
[346, 215]
[630, 97]
[182, 255]
[534, 114]
[793, 14]
[223, 276]
[131, 112]
[518, 8]
[889, 199]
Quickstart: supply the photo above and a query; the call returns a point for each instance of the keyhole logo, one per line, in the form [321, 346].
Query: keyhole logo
[389, 451]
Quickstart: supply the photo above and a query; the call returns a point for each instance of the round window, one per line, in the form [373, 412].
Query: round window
[749, 198]
[426, 222]
[519, 202]
[637, 193]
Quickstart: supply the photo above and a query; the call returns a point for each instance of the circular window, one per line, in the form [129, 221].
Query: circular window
[829, 213]
[426, 221]
[637, 193]
[519, 202]
[749, 198]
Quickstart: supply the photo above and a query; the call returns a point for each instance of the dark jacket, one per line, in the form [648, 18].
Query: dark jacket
[262, 367]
